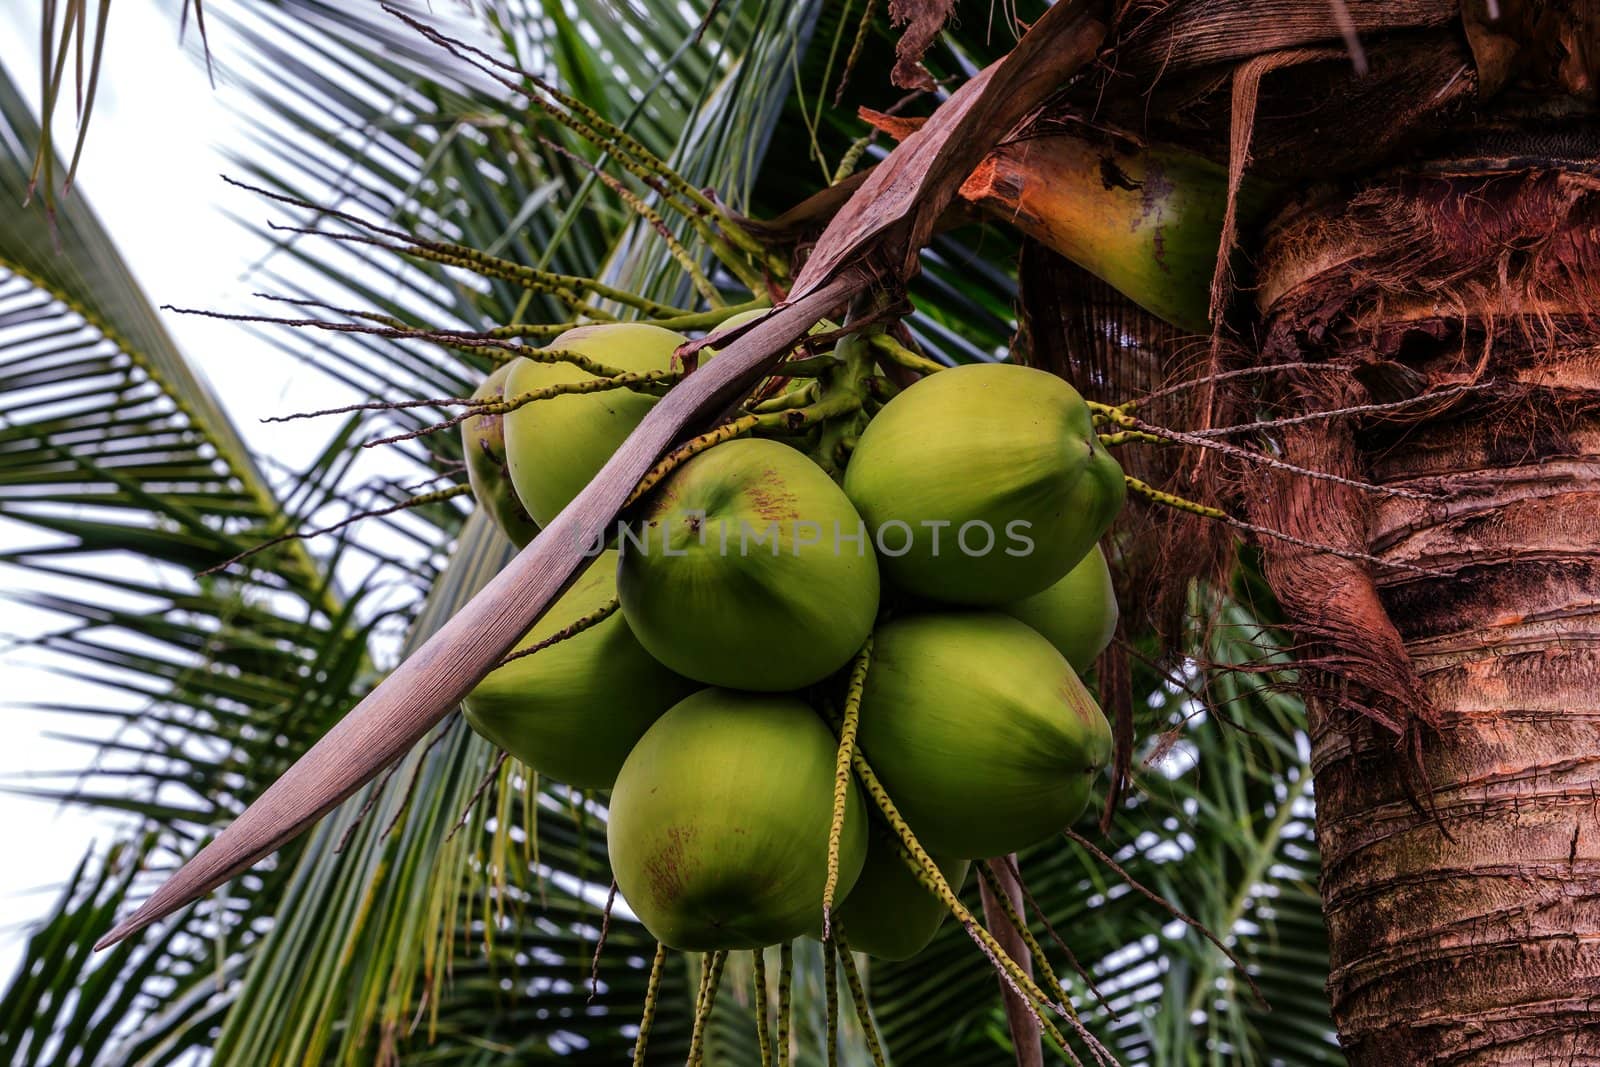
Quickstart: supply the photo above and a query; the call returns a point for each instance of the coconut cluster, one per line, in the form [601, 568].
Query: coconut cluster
[957, 524]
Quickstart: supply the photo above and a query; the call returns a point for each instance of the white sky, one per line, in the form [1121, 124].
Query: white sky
[151, 171]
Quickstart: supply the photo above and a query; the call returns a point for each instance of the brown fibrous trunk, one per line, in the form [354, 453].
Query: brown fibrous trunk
[1456, 689]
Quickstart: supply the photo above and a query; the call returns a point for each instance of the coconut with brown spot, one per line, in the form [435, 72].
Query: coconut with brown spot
[984, 483]
[718, 826]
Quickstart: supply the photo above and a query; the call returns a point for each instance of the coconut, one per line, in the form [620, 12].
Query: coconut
[980, 731]
[1078, 614]
[728, 326]
[556, 445]
[574, 710]
[483, 446]
[748, 568]
[984, 483]
[889, 914]
[718, 827]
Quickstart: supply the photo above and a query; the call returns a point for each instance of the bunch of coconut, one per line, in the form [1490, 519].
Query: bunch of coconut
[960, 532]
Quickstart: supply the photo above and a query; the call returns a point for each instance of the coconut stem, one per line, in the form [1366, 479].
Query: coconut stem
[438, 496]
[563, 287]
[711, 965]
[932, 879]
[651, 992]
[797, 398]
[698, 320]
[636, 204]
[577, 359]
[1116, 413]
[787, 420]
[635, 157]
[1020, 1018]
[1129, 437]
[785, 1000]
[858, 997]
[1169, 436]
[571, 630]
[639, 382]
[650, 169]
[687, 451]
[901, 356]
[863, 27]
[1206, 511]
[478, 405]
[1044, 918]
[841, 778]
[1170, 500]
[600, 942]
[809, 367]
[763, 1020]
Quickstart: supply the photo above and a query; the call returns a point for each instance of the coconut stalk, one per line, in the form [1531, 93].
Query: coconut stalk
[879, 232]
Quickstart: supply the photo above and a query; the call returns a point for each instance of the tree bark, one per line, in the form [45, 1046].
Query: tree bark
[1455, 714]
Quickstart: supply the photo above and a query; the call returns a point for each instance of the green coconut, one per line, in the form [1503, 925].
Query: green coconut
[1078, 614]
[983, 484]
[483, 446]
[889, 914]
[980, 731]
[574, 710]
[718, 826]
[748, 568]
[729, 325]
[556, 445]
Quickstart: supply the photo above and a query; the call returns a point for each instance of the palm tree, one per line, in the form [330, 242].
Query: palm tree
[1385, 336]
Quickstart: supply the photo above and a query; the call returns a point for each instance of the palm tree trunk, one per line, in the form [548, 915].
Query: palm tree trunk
[1455, 713]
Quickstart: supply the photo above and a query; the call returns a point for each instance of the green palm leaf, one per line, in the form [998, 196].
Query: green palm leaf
[114, 450]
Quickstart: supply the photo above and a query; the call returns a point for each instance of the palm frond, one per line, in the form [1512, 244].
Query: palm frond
[121, 478]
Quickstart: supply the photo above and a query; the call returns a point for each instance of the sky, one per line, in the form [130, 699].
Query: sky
[152, 171]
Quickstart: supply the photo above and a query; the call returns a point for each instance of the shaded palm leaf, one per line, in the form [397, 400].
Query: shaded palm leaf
[115, 451]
